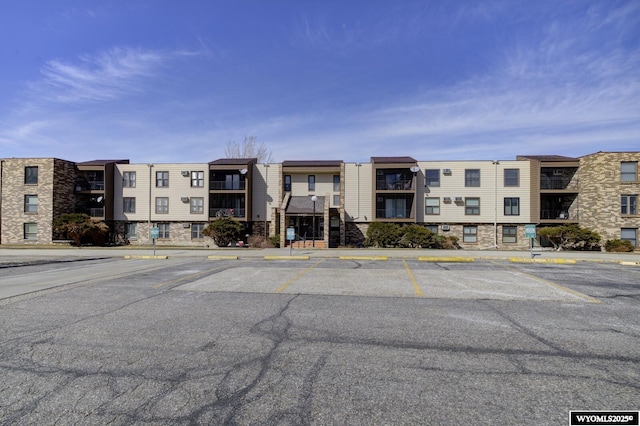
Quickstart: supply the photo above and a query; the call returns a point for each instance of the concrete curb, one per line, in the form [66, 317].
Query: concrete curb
[451, 259]
[559, 261]
[286, 258]
[222, 257]
[625, 263]
[146, 257]
[363, 257]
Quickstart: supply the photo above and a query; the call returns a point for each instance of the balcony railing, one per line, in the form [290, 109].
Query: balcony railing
[223, 212]
[95, 212]
[557, 215]
[393, 214]
[395, 185]
[227, 186]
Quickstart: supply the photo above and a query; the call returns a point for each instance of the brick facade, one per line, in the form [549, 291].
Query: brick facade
[600, 193]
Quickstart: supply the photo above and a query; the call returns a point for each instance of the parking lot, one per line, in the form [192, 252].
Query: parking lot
[323, 340]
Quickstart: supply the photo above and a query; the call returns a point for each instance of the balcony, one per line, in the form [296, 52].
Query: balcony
[96, 212]
[394, 207]
[558, 178]
[394, 184]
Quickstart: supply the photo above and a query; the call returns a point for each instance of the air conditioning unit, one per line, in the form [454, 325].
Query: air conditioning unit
[447, 199]
[185, 199]
[458, 199]
[185, 173]
[446, 228]
[446, 171]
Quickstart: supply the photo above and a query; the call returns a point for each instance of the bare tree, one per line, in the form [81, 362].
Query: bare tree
[249, 148]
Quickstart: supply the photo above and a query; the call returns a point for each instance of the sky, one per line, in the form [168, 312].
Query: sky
[175, 81]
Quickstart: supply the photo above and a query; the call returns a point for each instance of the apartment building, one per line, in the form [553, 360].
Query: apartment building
[328, 203]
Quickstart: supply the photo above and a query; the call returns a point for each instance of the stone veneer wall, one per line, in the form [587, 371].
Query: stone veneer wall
[600, 191]
[356, 233]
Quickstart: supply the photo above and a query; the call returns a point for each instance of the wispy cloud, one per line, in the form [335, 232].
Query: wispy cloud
[93, 78]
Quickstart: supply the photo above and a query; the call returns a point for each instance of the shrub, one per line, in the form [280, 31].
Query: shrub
[620, 246]
[275, 241]
[416, 236]
[383, 234]
[81, 228]
[223, 231]
[571, 237]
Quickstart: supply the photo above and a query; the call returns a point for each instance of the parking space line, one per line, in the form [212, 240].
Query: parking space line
[300, 274]
[414, 283]
[554, 285]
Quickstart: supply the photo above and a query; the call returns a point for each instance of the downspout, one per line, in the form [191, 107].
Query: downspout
[1, 186]
[150, 181]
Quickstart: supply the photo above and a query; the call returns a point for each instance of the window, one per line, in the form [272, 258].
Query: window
[197, 205]
[336, 183]
[472, 177]
[629, 234]
[162, 205]
[336, 200]
[287, 183]
[129, 179]
[472, 206]
[512, 206]
[432, 228]
[511, 177]
[30, 231]
[312, 182]
[509, 234]
[629, 171]
[131, 231]
[197, 179]
[31, 175]
[162, 179]
[163, 230]
[31, 204]
[196, 231]
[628, 204]
[129, 204]
[470, 234]
[432, 206]
[432, 177]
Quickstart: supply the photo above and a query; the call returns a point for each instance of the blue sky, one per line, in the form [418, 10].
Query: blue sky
[174, 81]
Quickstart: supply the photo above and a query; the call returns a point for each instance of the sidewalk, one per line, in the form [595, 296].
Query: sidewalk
[65, 251]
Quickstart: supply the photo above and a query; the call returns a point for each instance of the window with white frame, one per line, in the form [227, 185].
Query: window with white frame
[197, 205]
[312, 182]
[509, 234]
[512, 206]
[162, 205]
[197, 179]
[287, 183]
[336, 183]
[629, 171]
[472, 177]
[629, 204]
[131, 231]
[432, 177]
[629, 234]
[129, 204]
[31, 175]
[470, 234]
[31, 204]
[196, 231]
[511, 177]
[162, 179]
[336, 200]
[472, 206]
[31, 231]
[163, 230]
[129, 179]
[432, 205]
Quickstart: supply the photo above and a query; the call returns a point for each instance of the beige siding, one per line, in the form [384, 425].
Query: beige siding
[358, 203]
[179, 187]
[266, 190]
[491, 192]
